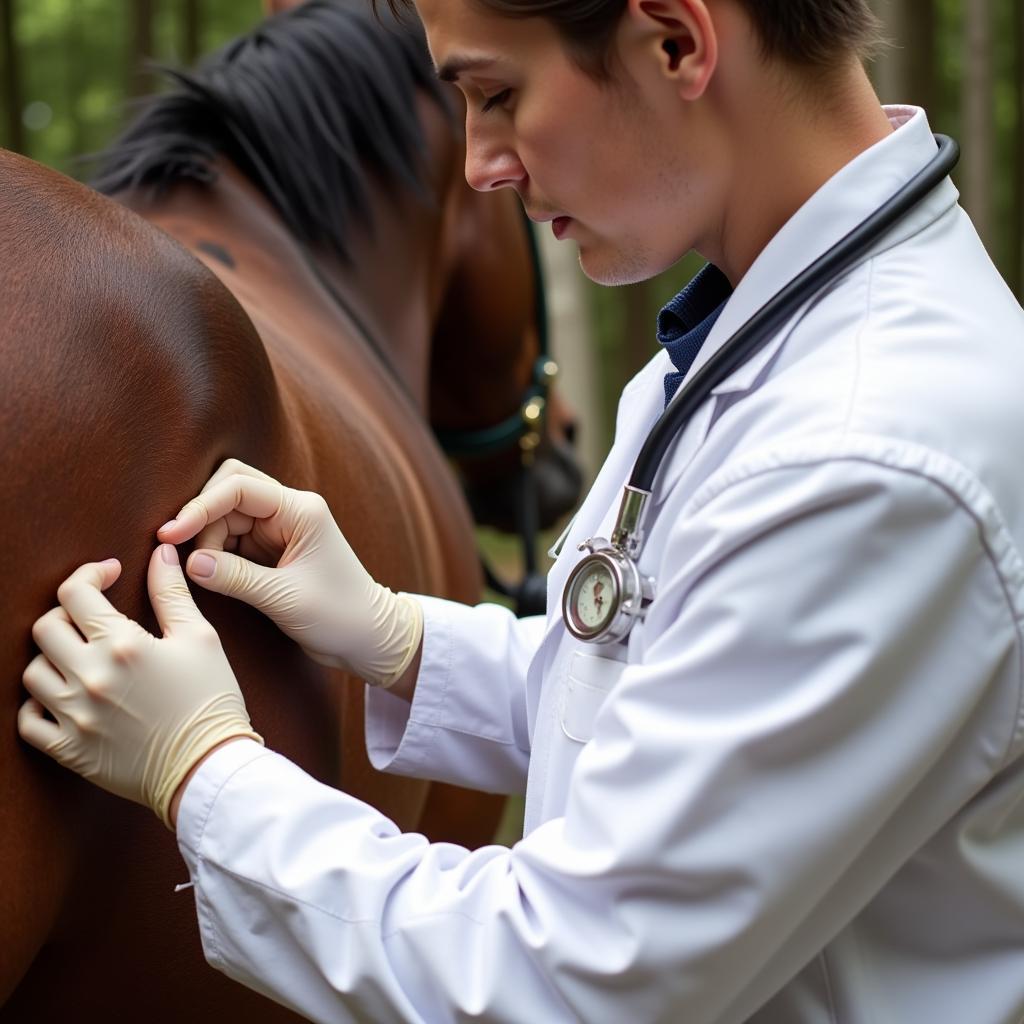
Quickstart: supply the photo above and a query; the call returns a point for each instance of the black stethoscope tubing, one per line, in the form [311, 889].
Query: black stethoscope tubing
[772, 316]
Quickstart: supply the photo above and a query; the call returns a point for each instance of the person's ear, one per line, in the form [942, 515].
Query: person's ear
[680, 35]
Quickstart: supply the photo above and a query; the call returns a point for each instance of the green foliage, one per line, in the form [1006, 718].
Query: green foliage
[78, 65]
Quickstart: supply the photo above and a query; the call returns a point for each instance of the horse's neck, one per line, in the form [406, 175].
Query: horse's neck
[387, 298]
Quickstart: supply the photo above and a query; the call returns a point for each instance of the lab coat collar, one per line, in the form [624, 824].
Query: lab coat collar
[842, 203]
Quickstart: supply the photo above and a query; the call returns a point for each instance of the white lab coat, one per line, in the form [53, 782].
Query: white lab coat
[797, 796]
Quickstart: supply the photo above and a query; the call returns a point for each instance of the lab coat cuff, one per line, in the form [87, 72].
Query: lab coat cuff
[194, 813]
[203, 789]
[400, 736]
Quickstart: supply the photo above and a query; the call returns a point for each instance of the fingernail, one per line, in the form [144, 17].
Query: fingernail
[167, 525]
[169, 553]
[202, 566]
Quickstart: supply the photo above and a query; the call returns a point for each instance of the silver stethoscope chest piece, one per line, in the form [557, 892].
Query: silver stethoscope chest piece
[605, 594]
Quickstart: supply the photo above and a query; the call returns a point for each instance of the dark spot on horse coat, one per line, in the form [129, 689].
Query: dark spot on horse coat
[218, 252]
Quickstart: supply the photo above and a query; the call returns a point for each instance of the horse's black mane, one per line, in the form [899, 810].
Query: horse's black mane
[308, 105]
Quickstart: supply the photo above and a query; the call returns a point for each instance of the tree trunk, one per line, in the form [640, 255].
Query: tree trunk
[572, 345]
[191, 31]
[1017, 223]
[919, 31]
[905, 71]
[140, 15]
[978, 118]
[75, 84]
[888, 72]
[638, 329]
[11, 79]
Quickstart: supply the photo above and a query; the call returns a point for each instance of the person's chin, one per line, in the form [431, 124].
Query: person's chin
[612, 269]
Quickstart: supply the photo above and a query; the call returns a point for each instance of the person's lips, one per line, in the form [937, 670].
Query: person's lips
[559, 222]
[559, 226]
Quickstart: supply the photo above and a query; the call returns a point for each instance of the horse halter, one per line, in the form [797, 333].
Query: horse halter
[524, 428]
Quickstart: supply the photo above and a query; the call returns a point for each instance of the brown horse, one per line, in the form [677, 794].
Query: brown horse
[130, 372]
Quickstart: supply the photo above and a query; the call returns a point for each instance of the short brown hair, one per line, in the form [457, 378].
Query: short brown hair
[807, 33]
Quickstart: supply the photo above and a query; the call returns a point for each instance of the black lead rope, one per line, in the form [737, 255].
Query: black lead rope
[530, 595]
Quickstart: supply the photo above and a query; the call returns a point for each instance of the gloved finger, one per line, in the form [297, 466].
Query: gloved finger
[252, 496]
[44, 682]
[228, 468]
[81, 597]
[225, 573]
[218, 533]
[57, 638]
[169, 594]
[35, 728]
[231, 467]
[265, 544]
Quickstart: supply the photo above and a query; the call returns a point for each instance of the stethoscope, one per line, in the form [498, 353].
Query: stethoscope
[606, 594]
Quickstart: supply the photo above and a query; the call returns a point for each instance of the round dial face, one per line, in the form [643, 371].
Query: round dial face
[594, 597]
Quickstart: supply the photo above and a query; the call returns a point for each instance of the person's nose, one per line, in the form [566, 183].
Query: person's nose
[491, 158]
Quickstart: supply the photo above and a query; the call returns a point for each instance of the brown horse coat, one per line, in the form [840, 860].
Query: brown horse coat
[129, 373]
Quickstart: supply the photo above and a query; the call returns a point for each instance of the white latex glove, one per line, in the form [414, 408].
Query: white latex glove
[132, 712]
[295, 566]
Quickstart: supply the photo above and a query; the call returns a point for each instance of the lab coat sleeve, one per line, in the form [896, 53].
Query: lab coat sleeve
[467, 724]
[829, 672]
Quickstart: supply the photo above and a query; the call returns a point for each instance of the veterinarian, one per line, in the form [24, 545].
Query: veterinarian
[770, 732]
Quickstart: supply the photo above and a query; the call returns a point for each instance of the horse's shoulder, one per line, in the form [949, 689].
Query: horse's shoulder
[110, 314]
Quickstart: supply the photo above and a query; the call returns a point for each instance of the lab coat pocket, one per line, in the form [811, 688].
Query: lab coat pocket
[589, 681]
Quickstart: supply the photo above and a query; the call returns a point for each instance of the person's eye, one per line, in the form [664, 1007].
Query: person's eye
[496, 100]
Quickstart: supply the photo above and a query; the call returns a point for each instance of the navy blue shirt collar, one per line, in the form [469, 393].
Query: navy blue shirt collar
[685, 321]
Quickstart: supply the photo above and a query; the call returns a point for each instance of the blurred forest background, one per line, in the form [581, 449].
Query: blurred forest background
[69, 70]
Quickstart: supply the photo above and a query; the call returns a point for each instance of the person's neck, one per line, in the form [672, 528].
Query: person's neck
[788, 146]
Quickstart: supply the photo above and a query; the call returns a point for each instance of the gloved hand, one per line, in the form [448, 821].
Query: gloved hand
[133, 712]
[294, 565]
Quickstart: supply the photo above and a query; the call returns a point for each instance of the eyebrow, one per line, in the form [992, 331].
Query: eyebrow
[450, 70]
